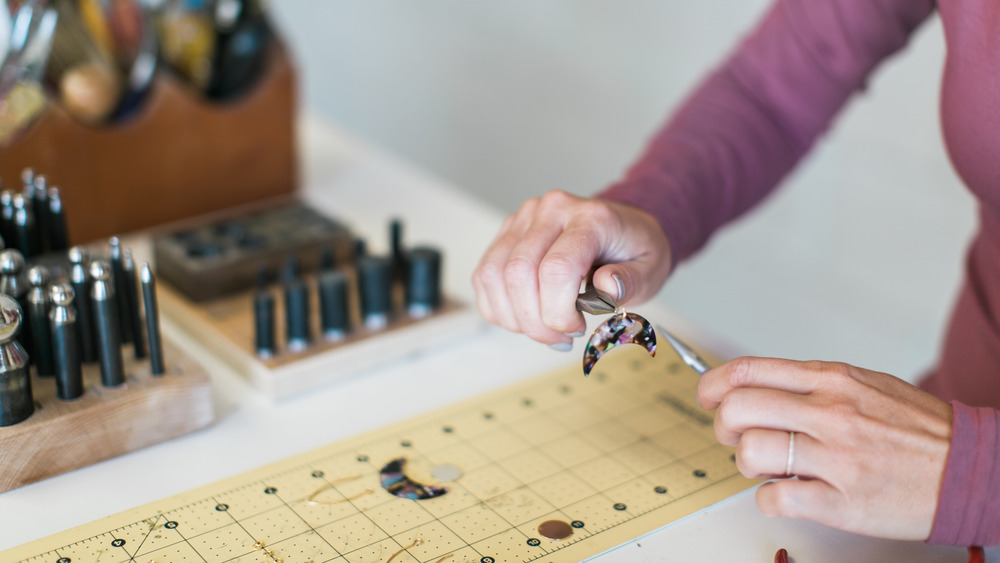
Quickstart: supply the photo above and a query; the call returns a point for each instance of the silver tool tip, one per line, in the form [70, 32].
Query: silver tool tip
[146, 275]
[61, 294]
[38, 276]
[11, 261]
[78, 254]
[100, 270]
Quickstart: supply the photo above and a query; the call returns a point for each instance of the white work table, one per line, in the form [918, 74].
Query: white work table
[366, 188]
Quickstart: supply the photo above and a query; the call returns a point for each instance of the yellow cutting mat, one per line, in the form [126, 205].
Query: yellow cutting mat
[617, 455]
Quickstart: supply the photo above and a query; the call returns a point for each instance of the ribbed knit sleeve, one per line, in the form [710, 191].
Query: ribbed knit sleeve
[968, 511]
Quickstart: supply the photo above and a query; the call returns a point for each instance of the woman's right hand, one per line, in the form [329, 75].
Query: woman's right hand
[530, 276]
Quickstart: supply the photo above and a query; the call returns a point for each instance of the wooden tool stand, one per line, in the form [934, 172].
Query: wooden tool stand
[105, 422]
[226, 326]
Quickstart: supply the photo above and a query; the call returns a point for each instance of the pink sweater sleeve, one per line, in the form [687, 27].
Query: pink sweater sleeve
[968, 511]
[752, 119]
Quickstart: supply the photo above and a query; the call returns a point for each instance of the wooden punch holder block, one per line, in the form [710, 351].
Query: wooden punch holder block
[179, 156]
[105, 422]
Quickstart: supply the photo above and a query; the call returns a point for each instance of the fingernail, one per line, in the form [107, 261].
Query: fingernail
[575, 334]
[621, 287]
[562, 346]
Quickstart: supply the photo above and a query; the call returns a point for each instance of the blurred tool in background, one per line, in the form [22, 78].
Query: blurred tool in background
[98, 58]
[219, 47]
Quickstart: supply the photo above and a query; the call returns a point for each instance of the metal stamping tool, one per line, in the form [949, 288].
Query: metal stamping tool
[38, 315]
[28, 178]
[40, 209]
[109, 342]
[423, 281]
[148, 282]
[297, 315]
[7, 217]
[626, 328]
[375, 287]
[396, 249]
[65, 348]
[16, 401]
[121, 297]
[333, 308]
[80, 280]
[56, 222]
[263, 318]
[131, 288]
[24, 227]
[12, 283]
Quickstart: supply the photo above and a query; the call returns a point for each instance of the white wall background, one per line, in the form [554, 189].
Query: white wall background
[856, 259]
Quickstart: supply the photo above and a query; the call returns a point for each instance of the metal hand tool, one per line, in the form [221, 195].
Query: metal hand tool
[38, 323]
[131, 288]
[40, 209]
[57, 235]
[7, 217]
[297, 315]
[263, 318]
[24, 227]
[16, 402]
[85, 327]
[65, 348]
[687, 354]
[148, 281]
[423, 281]
[333, 308]
[121, 297]
[12, 283]
[396, 249]
[375, 287]
[109, 342]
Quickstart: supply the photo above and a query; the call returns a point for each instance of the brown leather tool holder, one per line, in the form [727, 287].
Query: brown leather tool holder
[181, 155]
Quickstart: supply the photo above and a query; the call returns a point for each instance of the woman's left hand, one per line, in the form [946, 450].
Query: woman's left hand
[869, 448]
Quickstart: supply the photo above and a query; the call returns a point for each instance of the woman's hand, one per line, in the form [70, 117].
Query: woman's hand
[870, 449]
[529, 277]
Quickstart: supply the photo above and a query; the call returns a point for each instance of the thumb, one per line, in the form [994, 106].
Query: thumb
[629, 282]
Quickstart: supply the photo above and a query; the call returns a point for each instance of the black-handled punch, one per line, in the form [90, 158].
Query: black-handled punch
[38, 315]
[263, 318]
[131, 288]
[121, 297]
[109, 342]
[65, 348]
[148, 281]
[85, 327]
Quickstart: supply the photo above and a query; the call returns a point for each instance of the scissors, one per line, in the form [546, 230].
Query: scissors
[626, 328]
